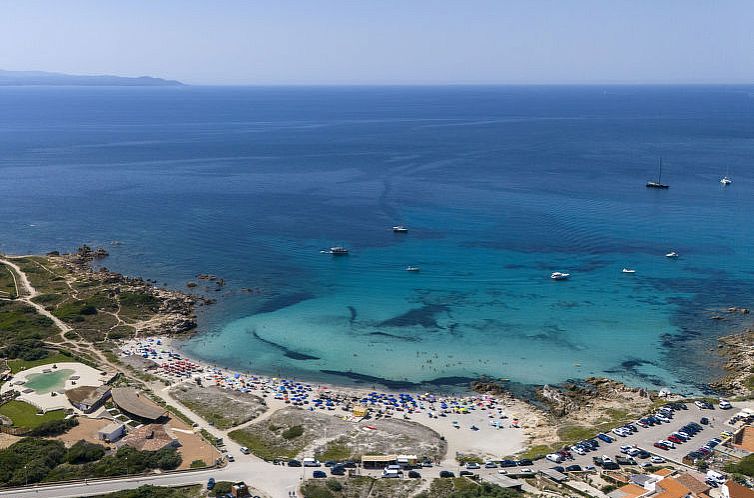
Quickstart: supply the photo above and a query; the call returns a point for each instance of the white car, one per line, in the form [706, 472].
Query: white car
[633, 452]
[670, 444]
[699, 404]
[245, 450]
[502, 471]
[579, 450]
[625, 449]
[725, 404]
[554, 457]
[657, 459]
[472, 465]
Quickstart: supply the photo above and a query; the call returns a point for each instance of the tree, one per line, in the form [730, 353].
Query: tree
[83, 452]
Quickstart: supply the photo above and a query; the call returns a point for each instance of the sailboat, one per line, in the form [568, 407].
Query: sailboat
[658, 183]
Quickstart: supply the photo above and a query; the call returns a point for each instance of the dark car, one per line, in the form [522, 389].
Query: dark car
[349, 464]
[605, 437]
[412, 474]
[330, 463]
[559, 469]
[294, 463]
[446, 473]
[610, 466]
[597, 461]
[465, 473]
[662, 446]
[507, 463]
[524, 462]
[210, 483]
[704, 421]
[573, 468]
[338, 470]
[643, 454]
[319, 474]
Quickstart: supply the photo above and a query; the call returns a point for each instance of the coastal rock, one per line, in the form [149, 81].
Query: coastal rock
[738, 351]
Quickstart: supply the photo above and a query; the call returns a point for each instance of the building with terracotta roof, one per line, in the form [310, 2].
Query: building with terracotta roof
[732, 489]
[628, 491]
[150, 437]
[137, 405]
[88, 398]
[694, 483]
[744, 439]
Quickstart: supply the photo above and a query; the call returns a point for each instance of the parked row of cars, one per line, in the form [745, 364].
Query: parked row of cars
[680, 436]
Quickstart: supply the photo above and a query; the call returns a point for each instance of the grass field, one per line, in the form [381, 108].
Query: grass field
[7, 284]
[24, 415]
[18, 365]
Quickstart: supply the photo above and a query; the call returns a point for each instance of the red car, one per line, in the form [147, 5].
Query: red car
[675, 439]
[661, 446]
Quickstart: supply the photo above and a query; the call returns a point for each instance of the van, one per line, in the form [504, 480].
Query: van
[716, 476]
[554, 457]
[311, 462]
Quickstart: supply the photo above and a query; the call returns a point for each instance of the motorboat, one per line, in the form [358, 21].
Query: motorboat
[338, 251]
[671, 254]
[559, 275]
[400, 229]
[629, 270]
[412, 268]
[725, 180]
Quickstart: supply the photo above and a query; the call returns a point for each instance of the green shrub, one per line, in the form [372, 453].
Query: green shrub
[293, 432]
[54, 427]
[84, 452]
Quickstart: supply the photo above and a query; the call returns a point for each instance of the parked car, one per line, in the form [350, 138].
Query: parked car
[338, 470]
[554, 457]
[642, 454]
[294, 463]
[466, 473]
[661, 445]
[490, 465]
[412, 474]
[573, 468]
[704, 421]
[507, 463]
[319, 474]
[210, 483]
[604, 437]
[311, 462]
[610, 466]
[725, 404]
[446, 474]
[230, 457]
[524, 462]
[472, 465]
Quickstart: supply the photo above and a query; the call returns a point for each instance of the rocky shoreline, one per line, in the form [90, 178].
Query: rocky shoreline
[738, 351]
[175, 312]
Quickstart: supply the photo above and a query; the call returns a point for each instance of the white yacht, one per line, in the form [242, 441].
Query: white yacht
[629, 270]
[671, 254]
[400, 229]
[559, 276]
[338, 251]
[725, 180]
[412, 268]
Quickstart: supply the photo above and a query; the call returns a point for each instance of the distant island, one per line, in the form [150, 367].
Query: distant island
[39, 78]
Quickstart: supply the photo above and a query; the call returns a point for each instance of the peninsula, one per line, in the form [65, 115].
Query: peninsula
[42, 78]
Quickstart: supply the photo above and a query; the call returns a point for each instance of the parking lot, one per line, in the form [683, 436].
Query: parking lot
[646, 437]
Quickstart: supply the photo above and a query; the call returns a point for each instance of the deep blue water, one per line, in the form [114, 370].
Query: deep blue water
[499, 186]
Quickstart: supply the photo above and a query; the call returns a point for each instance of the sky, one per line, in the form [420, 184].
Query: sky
[248, 42]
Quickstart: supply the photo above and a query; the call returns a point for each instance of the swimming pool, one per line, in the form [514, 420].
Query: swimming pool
[46, 382]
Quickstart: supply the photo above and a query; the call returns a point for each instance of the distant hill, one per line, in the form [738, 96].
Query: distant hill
[25, 78]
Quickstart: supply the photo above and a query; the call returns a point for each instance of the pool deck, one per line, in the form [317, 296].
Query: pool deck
[87, 376]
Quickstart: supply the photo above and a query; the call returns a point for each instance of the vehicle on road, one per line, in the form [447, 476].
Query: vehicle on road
[244, 450]
[210, 483]
[230, 457]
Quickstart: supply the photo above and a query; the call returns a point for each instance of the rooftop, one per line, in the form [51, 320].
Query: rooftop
[86, 394]
[628, 491]
[735, 490]
[135, 403]
[151, 437]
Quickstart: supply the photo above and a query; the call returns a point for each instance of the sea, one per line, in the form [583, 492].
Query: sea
[499, 186]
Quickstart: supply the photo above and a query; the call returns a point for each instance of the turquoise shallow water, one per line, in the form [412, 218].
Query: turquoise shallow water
[499, 186]
[44, 383]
